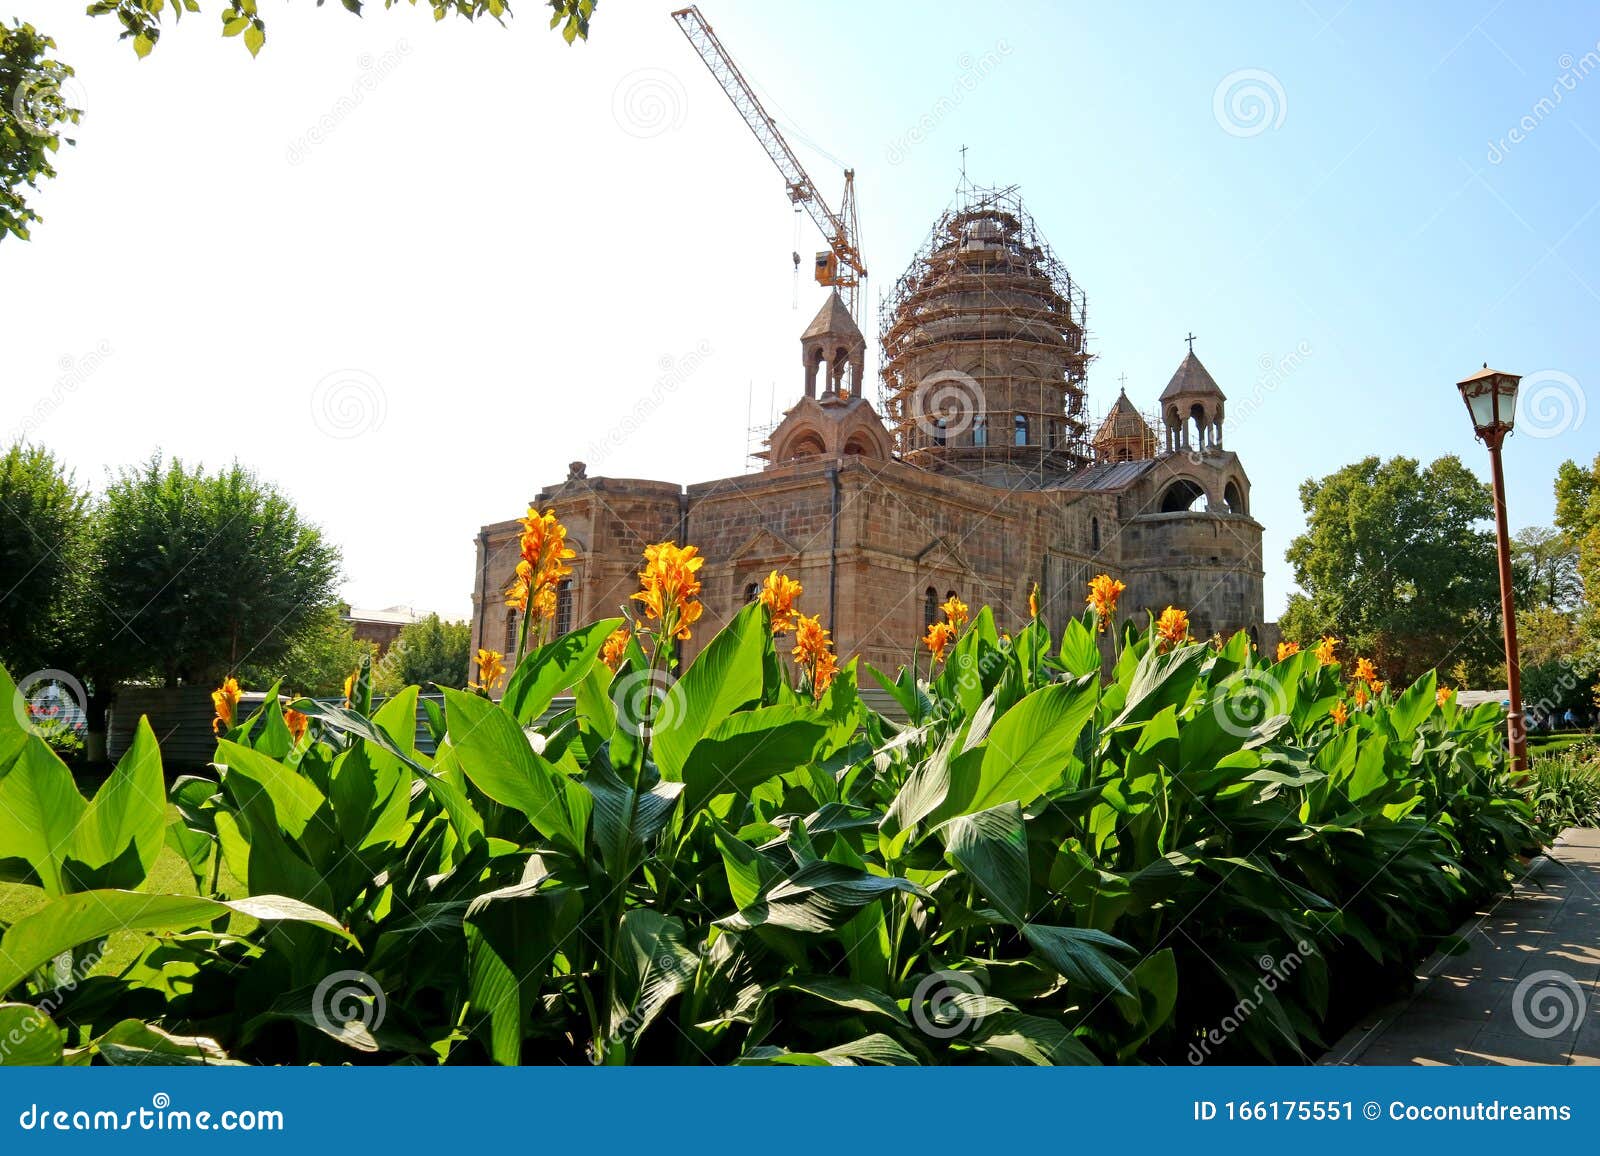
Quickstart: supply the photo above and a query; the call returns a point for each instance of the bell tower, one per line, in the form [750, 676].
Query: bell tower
[833, 340]
[1192, 407]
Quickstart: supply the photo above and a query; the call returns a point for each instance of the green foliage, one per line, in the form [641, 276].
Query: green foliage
[1045, 866]
[42, 534]
[35, 107]
[319, 658]
[197, 573]
[1397, 561]
[141, 19]
[427, 652]
[1565, 790]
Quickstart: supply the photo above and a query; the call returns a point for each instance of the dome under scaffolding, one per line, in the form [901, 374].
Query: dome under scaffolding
[983, 339]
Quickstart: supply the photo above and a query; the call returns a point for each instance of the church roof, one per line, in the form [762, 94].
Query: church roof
[1191, 378]
[1105, 476]
[1124, 421]
[833, 320]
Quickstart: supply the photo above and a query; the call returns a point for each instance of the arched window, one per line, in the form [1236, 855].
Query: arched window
[1094, 534]
[1233, 498]
[930, 606]
[1053, 433]
[980, 430]
[511, 631]
[564, 606]
[752, 591]
[1020, 428]
[1182, 495]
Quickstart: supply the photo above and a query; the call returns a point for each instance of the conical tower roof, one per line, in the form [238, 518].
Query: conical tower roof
[833, 320]
[1192, 379]
[1124, 421]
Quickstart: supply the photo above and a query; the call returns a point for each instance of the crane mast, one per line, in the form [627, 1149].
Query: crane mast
[841, 266]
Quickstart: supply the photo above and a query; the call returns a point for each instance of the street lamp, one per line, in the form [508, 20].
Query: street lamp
[1491, 398]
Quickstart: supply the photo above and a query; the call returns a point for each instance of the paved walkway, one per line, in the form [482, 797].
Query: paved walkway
[1527, 989]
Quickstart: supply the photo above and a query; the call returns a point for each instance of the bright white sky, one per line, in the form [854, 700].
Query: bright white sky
[502, 249]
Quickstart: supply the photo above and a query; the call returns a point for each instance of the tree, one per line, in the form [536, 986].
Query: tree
[429, 651]
[1397, 561]
[319, 659]
[198, 574]
[42, 525]
[1544, 566]
[1578, 517]
[33, 113]
[33, 110]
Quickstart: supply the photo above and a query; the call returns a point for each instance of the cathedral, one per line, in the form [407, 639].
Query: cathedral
[976, 475]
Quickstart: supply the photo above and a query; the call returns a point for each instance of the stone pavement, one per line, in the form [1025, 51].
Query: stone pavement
[1527, 989]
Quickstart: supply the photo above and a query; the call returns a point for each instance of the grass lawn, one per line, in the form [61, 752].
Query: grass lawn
[1550, 744]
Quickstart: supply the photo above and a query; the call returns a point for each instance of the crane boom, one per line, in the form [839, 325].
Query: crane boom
[847, 269]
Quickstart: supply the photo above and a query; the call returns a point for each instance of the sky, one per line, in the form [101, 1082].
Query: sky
[408, 270]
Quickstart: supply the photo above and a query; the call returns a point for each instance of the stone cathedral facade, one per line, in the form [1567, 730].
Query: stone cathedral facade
[977, 475]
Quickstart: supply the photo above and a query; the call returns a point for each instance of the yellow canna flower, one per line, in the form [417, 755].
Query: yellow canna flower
[1341, 713]
[813, 651]
[350, 686]
[955, 612]
[938, 639]
[1033, 601]
[226, 701]
[1361, 696]
[778, 594]
[1287, 650]
[668, 587]
[543, 563]
[1443, 696]
[1327, 650]
[616, 646]
[1365, 671]
[1104, 591]
[491, 669]
[1173, 625]
[1377, 686]
[296, 722]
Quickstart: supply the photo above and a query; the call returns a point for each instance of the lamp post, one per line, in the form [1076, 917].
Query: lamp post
[1491, 398]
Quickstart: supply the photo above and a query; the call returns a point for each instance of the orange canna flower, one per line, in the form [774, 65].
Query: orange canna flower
[1287, 650]
[1173, 625]
[1327, 650]
[296, 722]
[813, 651]
[1361, 696]
[1341, 713]
[543, 563]
[491, 669]
[350, 685]
[955, 612]
[226, 701]
[1033, 601]
[1365, 671]
[778, 594]
[668, 587]
[616, 646]
[938, 639]
[1377, 686]
[1104, 591]
[1443, 696]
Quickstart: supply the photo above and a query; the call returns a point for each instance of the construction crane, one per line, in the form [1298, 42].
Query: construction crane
[841, 266]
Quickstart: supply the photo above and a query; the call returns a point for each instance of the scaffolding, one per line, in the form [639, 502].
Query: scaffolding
[983, 339]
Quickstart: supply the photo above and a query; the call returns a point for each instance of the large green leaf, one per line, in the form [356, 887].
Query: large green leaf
[1413, 706]
[819, 897]
[653, 963]
[511, 935]
[746, 749]
[992, 847]
[295, 799]
[28, 1037]
[497, 756]
[726, 676]
[39, 810]
[626, 820]
[557, 666]
[64, 923]
[129, 809]
[1082, 955]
